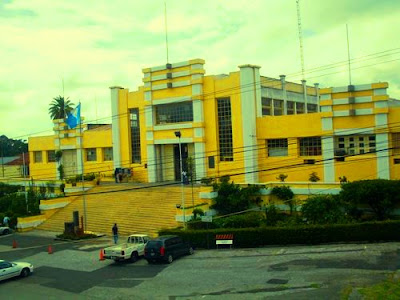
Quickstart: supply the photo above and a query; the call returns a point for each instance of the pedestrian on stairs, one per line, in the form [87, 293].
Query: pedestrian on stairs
[115, 233]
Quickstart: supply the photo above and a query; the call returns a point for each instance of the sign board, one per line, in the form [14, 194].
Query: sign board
[224, 242]
[206, 219]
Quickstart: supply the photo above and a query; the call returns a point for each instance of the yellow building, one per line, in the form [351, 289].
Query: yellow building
[241, 124]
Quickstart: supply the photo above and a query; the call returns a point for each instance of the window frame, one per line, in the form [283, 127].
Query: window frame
[89, 154]
[225, 132]
[172, 113]
[279, 145]
[310, 146]
[51, 158]
[106, 155]
[38, 157]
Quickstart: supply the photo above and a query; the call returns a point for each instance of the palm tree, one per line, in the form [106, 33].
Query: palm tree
[59, 107]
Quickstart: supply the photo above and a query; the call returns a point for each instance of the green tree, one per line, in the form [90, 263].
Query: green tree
[233, 198]
[11, 147]
[59, 107]
[285, 194]
[323, 209]
[380, 195]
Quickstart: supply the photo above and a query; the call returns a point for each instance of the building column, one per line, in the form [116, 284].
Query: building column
[328, 157]
[304, 83]
[382, 156]
[116, 135]
[152, 165]
[251, 108]
[283, 82]
[200, 160]
[316, 86]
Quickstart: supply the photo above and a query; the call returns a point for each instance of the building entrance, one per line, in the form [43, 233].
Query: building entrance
[177, 165]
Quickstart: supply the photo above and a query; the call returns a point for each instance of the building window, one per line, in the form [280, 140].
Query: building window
[290, 107]
[174, 113]
[225, 129]
[312, 108]
[266, 106]
[37, 156]
[91, 154]
[310, 146]
[356, 144]
[135, 136]
[396, 143]
[108, 154]
[299, 108]
[277, 147]
[278, 107]
[51, 156]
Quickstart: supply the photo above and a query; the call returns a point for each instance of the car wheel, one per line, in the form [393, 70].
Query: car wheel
[191, 251]
[6, 231]
[25, 272]
[170, 258]
[134, 256]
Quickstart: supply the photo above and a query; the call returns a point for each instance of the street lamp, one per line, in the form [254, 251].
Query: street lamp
[178, 135]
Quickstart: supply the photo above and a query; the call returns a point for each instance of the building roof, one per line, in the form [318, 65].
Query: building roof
[15, 160]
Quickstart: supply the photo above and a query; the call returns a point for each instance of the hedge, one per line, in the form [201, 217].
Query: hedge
[305, 234]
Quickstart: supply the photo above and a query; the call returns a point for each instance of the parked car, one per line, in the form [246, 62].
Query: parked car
[132, 249]
[166, 248]
[13, 269]
[5, 230]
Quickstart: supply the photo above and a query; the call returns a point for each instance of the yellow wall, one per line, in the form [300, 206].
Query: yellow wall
[44, 170]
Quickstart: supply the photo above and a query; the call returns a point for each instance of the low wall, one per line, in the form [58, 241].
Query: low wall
[29, 223]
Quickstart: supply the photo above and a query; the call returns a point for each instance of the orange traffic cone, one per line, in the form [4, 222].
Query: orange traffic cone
[14, 245]
[50, 250]
[101, 254]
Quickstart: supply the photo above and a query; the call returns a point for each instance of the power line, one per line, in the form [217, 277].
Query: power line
[278, 83]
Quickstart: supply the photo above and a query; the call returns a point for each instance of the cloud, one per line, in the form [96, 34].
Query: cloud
[94, 46]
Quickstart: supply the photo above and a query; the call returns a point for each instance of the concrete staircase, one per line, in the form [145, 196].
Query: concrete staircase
[135, 209]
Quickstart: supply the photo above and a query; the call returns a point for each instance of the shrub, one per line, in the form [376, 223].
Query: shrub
[380, 195]
[197, 212]
[282, 177]
[285, 194]
[207, 181]
[301, 234]
[271, 215]
[232, 198]
[323, 209]
[250, 219]
[314, 177]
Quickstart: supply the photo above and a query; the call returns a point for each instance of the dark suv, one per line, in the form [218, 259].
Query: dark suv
[166, 248]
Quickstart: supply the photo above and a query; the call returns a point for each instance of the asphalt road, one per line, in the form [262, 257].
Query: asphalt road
[74, 271]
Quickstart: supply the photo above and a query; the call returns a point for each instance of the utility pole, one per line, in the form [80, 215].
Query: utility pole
[2, 159]
[24, 173]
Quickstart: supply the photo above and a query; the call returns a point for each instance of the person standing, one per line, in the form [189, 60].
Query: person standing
[6, 221]
[116, 175]
[115, 233]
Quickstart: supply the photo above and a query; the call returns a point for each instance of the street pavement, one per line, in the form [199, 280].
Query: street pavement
[74, 271]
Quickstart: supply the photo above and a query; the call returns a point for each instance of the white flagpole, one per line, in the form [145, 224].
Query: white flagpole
[83, 172]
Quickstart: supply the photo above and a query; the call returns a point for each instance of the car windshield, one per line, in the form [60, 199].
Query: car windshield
[154, 244]
[135, 239]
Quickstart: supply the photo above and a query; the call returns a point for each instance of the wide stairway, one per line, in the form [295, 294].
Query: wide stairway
[136, 209]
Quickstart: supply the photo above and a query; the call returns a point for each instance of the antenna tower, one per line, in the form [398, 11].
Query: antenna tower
[300, 38]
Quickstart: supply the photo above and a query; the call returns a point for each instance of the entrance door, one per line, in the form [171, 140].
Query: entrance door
[69, 163]
[177, 160]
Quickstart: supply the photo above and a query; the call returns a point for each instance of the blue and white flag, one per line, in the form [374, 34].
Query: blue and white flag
[74, 117]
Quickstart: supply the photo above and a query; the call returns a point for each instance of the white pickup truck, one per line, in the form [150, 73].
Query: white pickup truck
[132, 249]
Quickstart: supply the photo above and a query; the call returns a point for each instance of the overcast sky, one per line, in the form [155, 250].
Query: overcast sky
[95, 44]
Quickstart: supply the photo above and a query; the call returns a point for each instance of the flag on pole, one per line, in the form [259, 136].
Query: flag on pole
[74, 117]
